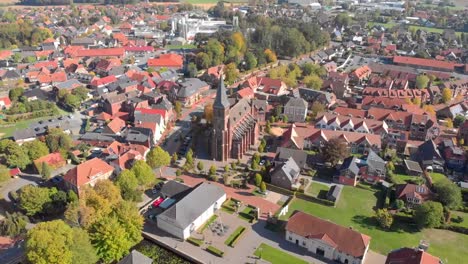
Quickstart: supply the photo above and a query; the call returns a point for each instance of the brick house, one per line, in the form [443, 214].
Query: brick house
[87, 173]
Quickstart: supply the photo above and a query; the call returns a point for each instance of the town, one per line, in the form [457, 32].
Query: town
[297, 131]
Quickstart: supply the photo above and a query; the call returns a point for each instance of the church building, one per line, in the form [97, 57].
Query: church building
[235, 126]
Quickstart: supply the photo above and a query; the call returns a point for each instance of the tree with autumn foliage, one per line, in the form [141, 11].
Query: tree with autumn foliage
[446, 95]
[270, 56]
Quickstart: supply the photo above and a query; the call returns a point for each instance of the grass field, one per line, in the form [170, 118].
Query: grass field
[315, 188]
[355, 209]
[186, 46]
[464, 223]
[437, 177]
[276, 256]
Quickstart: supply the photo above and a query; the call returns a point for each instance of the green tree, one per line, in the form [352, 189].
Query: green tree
[35, 149]
[449, 193]
[178, 108]
[82, 251]
[192, 70]
[250, 61]
[81, 92]
[108, 191]
[16, 93]
[4, 173]
[215, 51]
[343, 19]
[46, 171]
[285, 119]
[14, 224]
[384, 218]
[334, 150]
[429, 215]
[203, 60]
[212, 170]
[458, 120]
[231, 73]
[143, 173]
[110, 239]
[446, 95]
[313, 82]
[422, 81]
[128, 184]
[258, 179]
[189, 159]
[270, 56]
[72, 101]
[49, 243]
[131, 220]
[33, 199]
[174, 158]
[57, 140]
[263, 187]
[200, 166]
[226, 168]
[158, 158]
[399, 204]
[15, 156]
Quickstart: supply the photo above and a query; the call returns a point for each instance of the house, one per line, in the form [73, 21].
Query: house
[113, 103]
[296, 110]
[99, 53]
[54, 160]
[174, 190]
[326, 98]
[327, 239]
[192, 211]
[428, 155]
[212, 75]
[374, 169]
[360, 74]
[428, 64]
[455, 158]
[24, 135]
[271, 86]
[413, 168]
[87, 173]
[334, 193]
[354, 124]
[348, 172]
[286, 175]
[135, 257]
[5, 102]
[463, 132]
[169, 61]
[411, 256]
[191, 91]
[153, 121]
[139, 135]
[299, 156]
[126, 160]
[413, 194]
[114, 126]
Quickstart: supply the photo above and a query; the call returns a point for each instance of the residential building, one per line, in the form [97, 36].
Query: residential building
[296, 110]
[413, 194]
[286, 175]
[192, 211]
[334, 193]
[135, 257]
[327, 239]
[169, 61]
[411, 256]
[428, 155]
[191, 90]
[413, 168]
[53, 160]
[87, 173]
[348, 173]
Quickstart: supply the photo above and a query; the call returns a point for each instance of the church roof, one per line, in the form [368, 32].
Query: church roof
[221, 100]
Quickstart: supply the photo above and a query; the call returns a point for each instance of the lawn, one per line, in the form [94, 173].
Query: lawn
[186, 46]
[355, 209]
[437, 177]
[276, 256]
[400, 177]
[315, 188]
[434, 30]
[385, 25]
[245, 214]
[464, 223]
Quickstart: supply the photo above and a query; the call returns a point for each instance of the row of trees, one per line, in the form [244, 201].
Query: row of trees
[21, 32]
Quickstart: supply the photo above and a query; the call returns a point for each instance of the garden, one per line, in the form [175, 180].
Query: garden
[276, 256]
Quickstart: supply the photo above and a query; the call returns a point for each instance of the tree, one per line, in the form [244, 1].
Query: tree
[14, 224]
[313, 69]
[399, 204]
[108, 191]
[335, 150]
[458, 120]
[343, 19]
[208, 112]
[16, 93]
[50, 242]
[178, 108]
[239, 42]
[72, 101]
[250, 61]
[143, 173]
[316, 108]
[46, 171]
[422, 81]
[231, 73]
[189, 159]
[449, 193]
[131, 220]
[263, 187]
[446, 95]
[384, 218]
[80, 92]
[417, 101]
[15, 156]
[174, 158]
[128, 184]
[215, 50]
[192, 70]
[203, 60]
[57, 140]
[110, 239]
[212, 171]
[258, 179]
[33, 199]
[429, 214]
[35, 149]
[226, 168]
[200, 166]
[270, 56]
[313, 82]
[4, 173]
[158, 158]
[285, 119]
[429, 109]
[82, 250]
[449, 122]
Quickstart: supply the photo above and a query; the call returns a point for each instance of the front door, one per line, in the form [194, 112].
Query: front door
[320, 252]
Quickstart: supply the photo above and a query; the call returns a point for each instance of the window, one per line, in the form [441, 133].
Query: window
[290, 238]
[303, 243]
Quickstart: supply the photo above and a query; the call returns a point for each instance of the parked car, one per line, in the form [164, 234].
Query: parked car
[56, 179]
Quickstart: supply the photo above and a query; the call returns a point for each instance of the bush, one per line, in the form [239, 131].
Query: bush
[195, 242]
[235, 236]
[178, 172]
[215, 251]
[458, 219]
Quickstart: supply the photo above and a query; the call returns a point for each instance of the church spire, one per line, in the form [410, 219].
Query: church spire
[221, 100]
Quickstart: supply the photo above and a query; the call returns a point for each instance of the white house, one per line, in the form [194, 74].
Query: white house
[327, 239]
[192, 211]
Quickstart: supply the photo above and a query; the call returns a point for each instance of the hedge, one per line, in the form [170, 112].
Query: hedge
[195, 242]
[215, 251]
[235, 236]
[211, 220]
[315, 199]
[458, 229]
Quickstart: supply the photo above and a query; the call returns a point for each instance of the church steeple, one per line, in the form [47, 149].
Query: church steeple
[221, 100]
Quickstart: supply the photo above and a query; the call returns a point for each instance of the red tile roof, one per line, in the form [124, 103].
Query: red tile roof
[5, 54]
[116, 125]
[403, 191]
[108, 52]
[411, 256]
[15, 171]
[85, 172]
[246, 93]
[6, 101]
[342, 238]
[167, 60]
[361, 72]
[424, 62]
[54, 160]
[103, 81]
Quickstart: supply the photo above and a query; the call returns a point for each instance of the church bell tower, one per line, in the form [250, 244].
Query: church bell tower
[220, 142]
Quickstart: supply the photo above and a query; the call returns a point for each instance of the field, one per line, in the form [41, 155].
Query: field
[315, 188]
[276, 256]
[437, 177]
[355, 209]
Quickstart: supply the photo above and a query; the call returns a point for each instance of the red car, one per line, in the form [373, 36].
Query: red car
[157, 202]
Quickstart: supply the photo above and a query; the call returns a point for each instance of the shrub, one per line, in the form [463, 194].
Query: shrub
[215, 251]
[195, 242]
[178, 172]
[235, 236]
